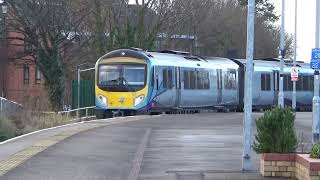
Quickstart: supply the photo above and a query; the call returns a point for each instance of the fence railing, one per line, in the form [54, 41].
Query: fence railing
[80, 113]
[8, 107]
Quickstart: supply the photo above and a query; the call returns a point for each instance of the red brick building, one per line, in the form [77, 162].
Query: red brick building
[20, 79]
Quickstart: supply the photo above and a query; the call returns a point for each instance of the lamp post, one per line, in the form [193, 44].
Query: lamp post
[247, 122]
[281, 94]
[294, 85]
[4, 10]
[316, 98]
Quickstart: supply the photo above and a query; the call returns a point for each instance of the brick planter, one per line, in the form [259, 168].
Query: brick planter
[306, 167]
[298, 166]
[278, 165]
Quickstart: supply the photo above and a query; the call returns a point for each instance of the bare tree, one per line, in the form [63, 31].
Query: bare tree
[48, 26]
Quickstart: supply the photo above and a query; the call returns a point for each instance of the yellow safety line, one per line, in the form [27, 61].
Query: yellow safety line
[20, 157]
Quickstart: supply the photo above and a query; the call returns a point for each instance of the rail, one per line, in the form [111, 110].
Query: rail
[78, 110]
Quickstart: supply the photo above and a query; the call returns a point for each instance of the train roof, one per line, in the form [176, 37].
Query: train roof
[186, 59]
[274, 64]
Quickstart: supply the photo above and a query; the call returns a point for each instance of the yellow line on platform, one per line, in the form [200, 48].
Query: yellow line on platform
[20, 157]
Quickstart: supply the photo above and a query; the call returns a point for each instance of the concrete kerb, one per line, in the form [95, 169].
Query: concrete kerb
[20, 157]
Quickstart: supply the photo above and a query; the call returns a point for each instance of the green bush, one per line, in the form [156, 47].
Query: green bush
[7, 129]
[275, 132]
[315, 151]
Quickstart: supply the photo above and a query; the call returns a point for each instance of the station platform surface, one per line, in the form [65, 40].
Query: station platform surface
[178, 147]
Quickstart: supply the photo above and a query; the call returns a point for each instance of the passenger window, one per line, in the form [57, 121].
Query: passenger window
[287, 84]
[193, 80]
[230, 80]
[167, 79]
[189, 80]
[219, 79]
[186, 80]
[265, 82]
[307, 83]
[203, 80]
[299, 83]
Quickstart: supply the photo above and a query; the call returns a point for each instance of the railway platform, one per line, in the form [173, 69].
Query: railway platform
[203, 146]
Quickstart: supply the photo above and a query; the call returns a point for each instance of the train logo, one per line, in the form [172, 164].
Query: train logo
[121, 100]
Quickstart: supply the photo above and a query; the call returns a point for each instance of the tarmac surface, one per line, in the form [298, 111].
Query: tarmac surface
[201, 146]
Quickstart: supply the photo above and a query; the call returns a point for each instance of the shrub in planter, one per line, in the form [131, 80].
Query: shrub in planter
[275, 132]
[315, 151]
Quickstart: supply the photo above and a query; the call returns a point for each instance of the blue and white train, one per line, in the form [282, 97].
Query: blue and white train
[134, 81]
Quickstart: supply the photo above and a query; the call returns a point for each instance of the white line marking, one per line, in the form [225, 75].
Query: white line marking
[135, 170]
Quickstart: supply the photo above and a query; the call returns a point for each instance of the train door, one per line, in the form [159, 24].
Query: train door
[275, 87]
[165, 95]
[178, 86]
[219, 86]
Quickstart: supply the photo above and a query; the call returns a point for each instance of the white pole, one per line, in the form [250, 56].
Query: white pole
[247, 124]
[1, 104]
[316, 98]
[294, 89]
[281, 94]
[78, 113]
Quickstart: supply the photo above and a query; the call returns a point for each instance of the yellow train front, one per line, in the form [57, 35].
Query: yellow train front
[122, 78]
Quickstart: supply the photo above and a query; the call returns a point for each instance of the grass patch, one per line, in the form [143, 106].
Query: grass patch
[7, 129]
[26, 122]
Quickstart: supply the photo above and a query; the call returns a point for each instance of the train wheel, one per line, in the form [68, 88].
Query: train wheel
[129, 113]
[154, 113]
[100, 114]
[108, 114]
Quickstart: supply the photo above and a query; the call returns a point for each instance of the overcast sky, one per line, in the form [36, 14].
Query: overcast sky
[306, 25]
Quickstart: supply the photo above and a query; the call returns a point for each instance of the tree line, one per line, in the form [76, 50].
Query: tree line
[65, 33]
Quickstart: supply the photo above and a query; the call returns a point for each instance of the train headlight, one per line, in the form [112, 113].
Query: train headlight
[138, 100]
[103, 100]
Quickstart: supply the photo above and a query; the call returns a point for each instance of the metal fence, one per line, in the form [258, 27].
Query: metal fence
[8, 107]
[79, 114]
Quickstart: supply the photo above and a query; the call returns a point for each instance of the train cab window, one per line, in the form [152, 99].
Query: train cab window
[230, 80]
[167, 79]
[265, 82]
[203, 80]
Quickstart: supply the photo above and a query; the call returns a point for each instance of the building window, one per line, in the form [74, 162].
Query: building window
[28, 47]
[265, 82]
[167, 79]
[26, 74]
[38, 75]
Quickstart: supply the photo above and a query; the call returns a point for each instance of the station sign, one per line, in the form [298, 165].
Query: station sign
[316, 53]
[294, 73]
[315, 59]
